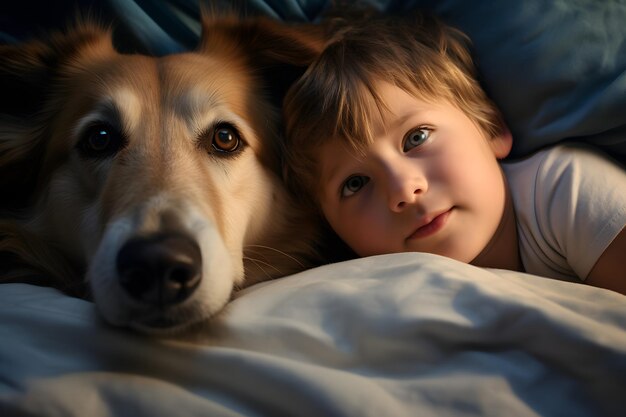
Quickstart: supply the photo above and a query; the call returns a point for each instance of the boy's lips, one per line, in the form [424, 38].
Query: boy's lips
[430, 224]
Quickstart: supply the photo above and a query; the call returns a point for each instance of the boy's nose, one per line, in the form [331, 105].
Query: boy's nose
[405, 190]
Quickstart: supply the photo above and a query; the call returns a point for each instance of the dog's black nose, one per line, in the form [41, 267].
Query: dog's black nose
[162, 269]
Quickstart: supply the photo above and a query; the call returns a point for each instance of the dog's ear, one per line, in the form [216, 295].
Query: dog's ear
[28, 74]
[26, 69]
[279, 51]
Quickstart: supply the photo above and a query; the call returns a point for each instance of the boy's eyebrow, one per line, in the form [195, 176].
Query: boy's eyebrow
[398, 121]
[326, 174]
[329, 172]
[402, 119]
[393, 122]
[414, 111]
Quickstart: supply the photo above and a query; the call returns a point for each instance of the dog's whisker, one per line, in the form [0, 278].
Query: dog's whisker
[277, 251]
[258, 263]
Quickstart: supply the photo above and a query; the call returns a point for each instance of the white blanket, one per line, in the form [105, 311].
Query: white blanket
[394, 335]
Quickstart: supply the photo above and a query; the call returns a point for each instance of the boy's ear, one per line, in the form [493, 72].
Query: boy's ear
[502, 143]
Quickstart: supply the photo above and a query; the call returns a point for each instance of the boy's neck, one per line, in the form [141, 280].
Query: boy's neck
[502, 251]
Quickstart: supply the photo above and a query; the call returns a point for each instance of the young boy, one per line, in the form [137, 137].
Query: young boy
[393, 139]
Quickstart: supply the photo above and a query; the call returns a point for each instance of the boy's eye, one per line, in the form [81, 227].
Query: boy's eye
[353, 185]
[415, 138]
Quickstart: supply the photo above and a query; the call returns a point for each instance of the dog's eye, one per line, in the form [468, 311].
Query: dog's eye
[225, 139]
[101, 140]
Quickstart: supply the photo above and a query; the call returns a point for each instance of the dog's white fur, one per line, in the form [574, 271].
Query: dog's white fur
[77, 212]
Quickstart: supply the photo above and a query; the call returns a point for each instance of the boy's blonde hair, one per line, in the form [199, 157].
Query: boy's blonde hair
[336, 98]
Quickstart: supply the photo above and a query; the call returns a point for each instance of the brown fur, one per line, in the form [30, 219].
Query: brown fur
[66, 214]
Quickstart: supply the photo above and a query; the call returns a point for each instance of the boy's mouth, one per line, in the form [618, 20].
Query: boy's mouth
[430, 224]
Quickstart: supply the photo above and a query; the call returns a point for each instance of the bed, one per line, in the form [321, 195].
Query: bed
[394, 335]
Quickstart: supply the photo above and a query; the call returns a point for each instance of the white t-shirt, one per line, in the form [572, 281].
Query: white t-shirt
[570, 203]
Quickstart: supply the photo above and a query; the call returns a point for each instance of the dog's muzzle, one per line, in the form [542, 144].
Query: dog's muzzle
[161, 269]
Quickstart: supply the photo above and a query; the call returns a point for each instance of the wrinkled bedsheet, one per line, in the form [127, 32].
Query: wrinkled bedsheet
[393, 335]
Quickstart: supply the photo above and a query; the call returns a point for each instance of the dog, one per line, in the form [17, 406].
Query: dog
[151, 184]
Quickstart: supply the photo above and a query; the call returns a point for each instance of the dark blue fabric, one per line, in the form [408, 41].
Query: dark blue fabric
[556, 68]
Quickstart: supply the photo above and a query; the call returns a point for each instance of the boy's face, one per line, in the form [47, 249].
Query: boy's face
[430, 182]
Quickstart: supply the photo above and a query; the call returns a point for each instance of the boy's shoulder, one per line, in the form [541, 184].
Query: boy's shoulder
[553, 162]
[566, 175]
[569, 150]
[569, 202]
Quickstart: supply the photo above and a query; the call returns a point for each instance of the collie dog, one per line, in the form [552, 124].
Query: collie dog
[153, 183]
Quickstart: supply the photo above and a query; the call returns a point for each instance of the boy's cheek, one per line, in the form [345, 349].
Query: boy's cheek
[363, 235]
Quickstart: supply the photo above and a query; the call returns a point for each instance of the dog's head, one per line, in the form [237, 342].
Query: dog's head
[154, 178]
